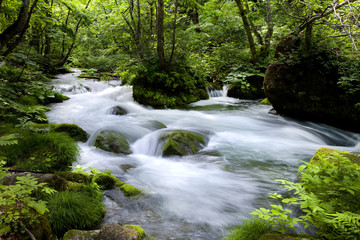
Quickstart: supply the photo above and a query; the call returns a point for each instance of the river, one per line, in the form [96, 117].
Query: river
[200, 196]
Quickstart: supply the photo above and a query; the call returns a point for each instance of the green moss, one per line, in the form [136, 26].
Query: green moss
[76, 177]
[354, 158]
[182, 143]
[74, 131]
[112, 141]
[105, 181]
[129, 190]
[265, 101]
[140, 230]
[79, 234]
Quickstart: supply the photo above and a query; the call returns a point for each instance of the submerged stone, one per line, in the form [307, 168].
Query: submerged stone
[112, 141]
[182, 143]
[117, 110]
[74, 131]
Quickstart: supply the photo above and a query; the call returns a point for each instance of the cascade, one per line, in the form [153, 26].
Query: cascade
[199, 196]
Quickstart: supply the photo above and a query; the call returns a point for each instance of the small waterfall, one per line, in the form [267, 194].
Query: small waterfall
[212, 92]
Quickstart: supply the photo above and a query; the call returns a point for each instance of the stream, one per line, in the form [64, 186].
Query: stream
[200, 196]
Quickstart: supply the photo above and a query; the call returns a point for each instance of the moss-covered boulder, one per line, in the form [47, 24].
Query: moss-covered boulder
[105, 181]
[265, 101]
[305, 85]
[77, 177]
[112, 141]
[129, 190]
[117, 110]
[73, 130]
[322, 152]
[82, 235]
[182, 143]
[117, 232]
[254, 89]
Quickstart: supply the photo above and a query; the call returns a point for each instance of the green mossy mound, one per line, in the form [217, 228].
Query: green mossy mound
[328, 152]
[173, 89]
[115, 231]
[112, 141]
[76, 177]
[129, 190]
[73, 130]
[182, 143]
[81, 235]
[265, 101]
[140, 230]
[49, 152]
[75, 210]
[105, 181]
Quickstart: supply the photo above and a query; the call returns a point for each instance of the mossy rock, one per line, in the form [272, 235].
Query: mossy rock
[116, 232]
[182, 143]
[73, 130]
[265, 101]
[354, 158]
[112, 141]
[154, 125]
[278, 236]
[139, 229]
[105, 181]
[76, 177]
[117, 110]
[82, 235]
[129, 190]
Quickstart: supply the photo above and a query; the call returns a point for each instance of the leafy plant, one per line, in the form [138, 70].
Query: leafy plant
[18, 207]
[328, 194]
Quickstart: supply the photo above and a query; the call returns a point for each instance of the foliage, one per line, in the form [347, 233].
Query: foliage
[249, 229]
[43, 152]
[328, 195]
[75, 210]
[18, 207]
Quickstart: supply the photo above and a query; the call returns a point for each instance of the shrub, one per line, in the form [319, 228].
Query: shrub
[250, 229]
[75, 210]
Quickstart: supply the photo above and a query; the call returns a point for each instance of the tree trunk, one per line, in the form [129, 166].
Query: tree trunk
[174, 34]
[18, 26]
[308, 36]
[160, 34]
[270, 30]
[247, 29]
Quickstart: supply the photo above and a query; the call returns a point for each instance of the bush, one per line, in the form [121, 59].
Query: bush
[250, 229]
[75, 210]
[47, 152]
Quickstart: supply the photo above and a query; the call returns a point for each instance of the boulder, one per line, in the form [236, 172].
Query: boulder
[182, 143]
[305, 86]
[74, 131]
[117, 110]
[112, 141]
[117, 232]
[129, 190]
[81, 235]
[321, 152]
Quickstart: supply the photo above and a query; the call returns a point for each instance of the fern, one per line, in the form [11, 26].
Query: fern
[9, 139]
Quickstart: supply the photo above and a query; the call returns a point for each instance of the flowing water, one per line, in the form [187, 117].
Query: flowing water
[200, 196]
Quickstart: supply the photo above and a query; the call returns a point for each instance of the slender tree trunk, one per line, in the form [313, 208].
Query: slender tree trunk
[173, 35]
[65, 58]
[270, 30]
[47, 38]
[308, 36]
[247, 29]
[254, 30]
[160, 34]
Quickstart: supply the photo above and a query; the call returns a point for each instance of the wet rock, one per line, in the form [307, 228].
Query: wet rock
[321, 152]
[117, 232]
[305, 86]
[117, 110]
[82, 235]
[182, 143]
[129, 190]
[74, 131]
[112, 141]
